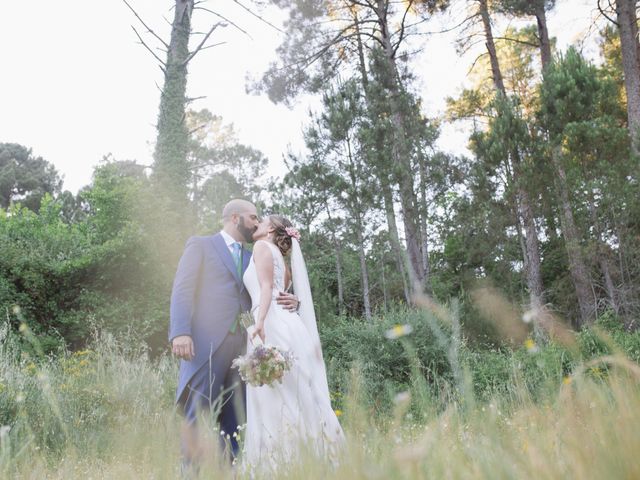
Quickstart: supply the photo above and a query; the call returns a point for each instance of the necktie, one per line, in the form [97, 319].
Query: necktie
[237, 257]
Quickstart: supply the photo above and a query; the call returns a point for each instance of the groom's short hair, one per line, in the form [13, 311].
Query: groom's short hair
[237, 205]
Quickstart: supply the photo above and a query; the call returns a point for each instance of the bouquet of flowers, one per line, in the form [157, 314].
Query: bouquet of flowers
[263, 365]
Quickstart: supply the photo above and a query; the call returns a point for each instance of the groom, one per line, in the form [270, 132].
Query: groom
[207, 298]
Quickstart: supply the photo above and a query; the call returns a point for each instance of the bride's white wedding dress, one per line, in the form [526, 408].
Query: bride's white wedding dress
[286, 419]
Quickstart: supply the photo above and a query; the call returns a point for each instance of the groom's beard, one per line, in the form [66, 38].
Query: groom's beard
[245, 231]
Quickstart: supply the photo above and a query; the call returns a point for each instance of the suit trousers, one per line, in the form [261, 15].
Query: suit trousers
[216, 389]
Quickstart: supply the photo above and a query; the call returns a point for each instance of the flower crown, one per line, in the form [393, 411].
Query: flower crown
[293, 233]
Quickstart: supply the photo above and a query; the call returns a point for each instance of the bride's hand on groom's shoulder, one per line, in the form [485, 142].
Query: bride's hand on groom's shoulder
[288, 301]
[182, 347]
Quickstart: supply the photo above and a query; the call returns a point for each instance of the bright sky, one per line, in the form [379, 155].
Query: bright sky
[77, 86]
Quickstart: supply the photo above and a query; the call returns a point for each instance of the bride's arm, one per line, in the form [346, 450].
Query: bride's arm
[263, 259]
[287, 279]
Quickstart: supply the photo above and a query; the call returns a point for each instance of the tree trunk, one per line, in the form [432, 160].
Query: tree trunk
[602, 255]
[543, 34]
[362, 65]
[170, 156]
[496, 73]
[577, 267]
[387, 192]
[338, 249]
[340, 280]
[384, 282]
[524, 211]
[401, 155]
[357, 214]
[363, 270]
[392, 225]
[628, 28]
[424, 223]
[533, 270]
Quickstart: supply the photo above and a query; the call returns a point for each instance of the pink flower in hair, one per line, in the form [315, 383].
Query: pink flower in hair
[293, 233]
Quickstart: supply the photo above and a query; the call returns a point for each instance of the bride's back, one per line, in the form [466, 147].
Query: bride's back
[279, 271]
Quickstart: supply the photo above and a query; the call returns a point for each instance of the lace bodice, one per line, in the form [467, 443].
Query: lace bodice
[279, 268]
[251, 276]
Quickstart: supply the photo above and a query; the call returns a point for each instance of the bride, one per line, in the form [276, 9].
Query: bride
[286, 418]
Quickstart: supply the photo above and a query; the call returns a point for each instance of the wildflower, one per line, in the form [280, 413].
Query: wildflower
[398, 331]
[31, 368]
[402, 398]
[530, 345]
[338, 412]
[528, 316]
[16, 310]
[566, 380]
[23, 328]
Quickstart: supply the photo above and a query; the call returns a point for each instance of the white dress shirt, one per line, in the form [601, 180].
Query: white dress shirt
[229, 240]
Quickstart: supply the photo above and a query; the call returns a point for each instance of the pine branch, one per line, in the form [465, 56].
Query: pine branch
[163, 65]
[145, 25]
[225, 19]
[257, 16]
[602, 12]
[515, 40]
[200, 47]
[402, 27]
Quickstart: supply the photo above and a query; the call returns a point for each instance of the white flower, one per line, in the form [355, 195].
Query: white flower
[402, 398]
[529, 315]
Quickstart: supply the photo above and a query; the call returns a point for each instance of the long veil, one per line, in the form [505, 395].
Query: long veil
[302, 289]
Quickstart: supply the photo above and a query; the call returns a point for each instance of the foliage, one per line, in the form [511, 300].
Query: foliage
[108, 411]
[25, 178]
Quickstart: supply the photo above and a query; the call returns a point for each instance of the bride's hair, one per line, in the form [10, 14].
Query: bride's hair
[280, 236]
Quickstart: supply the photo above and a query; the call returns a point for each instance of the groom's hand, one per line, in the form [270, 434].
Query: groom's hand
[288, 301]
[182, 347]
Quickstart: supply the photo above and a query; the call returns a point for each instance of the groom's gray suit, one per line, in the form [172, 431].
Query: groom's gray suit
[208, 294]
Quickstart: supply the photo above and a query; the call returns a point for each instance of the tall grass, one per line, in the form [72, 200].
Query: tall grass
[107, 412]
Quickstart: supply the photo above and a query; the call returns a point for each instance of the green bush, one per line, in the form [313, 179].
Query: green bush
[385, 364]
[105, 270]
[388, 366]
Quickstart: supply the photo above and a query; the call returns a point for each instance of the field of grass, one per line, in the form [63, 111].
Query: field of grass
[106, 412]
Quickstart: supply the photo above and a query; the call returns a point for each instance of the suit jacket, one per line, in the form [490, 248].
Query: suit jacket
[206, 298]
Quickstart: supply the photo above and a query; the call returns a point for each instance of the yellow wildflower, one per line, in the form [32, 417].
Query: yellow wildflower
[31, 368]
[398, 331]
[530, 345]
[566, 380]
[338, 412]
